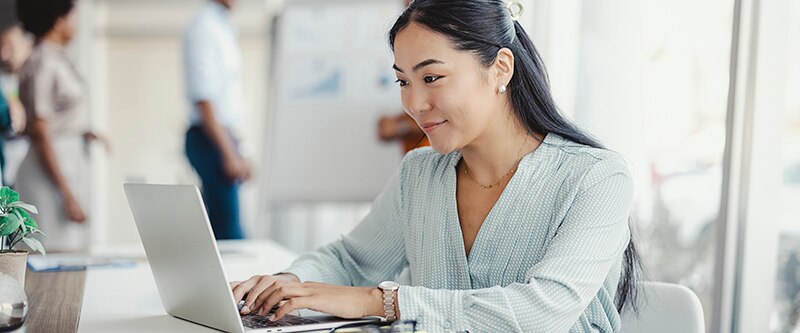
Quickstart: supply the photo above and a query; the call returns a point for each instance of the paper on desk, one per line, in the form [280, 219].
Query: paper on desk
[72, 262]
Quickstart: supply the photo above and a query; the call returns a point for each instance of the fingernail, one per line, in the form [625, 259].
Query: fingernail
[245, 309]
[272, 318]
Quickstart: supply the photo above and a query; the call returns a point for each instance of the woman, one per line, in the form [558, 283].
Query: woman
[52, 175]
[514, 221]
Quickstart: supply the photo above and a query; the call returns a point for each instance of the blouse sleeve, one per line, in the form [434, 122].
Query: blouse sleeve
[588, 244]
[38, 91]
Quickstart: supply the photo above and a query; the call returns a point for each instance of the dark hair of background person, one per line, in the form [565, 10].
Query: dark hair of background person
[40, 16]
[8, 15]
[483, 27]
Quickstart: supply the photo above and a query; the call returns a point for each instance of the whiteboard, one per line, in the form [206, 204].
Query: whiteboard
[331, 81]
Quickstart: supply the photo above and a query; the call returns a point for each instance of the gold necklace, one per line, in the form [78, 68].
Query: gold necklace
[486, 187]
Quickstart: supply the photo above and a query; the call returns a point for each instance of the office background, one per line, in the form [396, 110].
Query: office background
[701, 96]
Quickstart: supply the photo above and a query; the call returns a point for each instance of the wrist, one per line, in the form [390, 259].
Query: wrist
[66, 194]
[389, 302]
[376, 295]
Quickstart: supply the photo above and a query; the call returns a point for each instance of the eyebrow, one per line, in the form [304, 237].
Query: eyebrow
[419, 65]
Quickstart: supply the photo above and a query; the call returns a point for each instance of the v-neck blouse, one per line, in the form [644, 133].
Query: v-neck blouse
[547, 258]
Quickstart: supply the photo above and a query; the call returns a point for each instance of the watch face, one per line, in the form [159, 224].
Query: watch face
[389, 285]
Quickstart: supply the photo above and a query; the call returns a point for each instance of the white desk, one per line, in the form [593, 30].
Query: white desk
[126, 299]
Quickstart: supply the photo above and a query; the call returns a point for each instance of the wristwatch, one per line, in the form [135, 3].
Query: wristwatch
[388, 288]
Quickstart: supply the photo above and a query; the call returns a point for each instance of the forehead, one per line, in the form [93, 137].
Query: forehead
[416, 43]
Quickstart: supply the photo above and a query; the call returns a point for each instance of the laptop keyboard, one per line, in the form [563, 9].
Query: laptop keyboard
[256, 321]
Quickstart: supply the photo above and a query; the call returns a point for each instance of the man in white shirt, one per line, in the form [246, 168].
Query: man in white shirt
[212, 69]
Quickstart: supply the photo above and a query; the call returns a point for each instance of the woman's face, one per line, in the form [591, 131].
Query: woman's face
[66, 26]
[14, 49]
[450, 95]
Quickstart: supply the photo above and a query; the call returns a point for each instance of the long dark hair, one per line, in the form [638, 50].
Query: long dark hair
[483, 27]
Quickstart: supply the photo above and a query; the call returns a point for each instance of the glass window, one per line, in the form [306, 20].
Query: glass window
[786, 311]
[652, 84]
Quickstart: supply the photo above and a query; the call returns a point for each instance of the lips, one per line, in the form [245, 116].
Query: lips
[430, 126]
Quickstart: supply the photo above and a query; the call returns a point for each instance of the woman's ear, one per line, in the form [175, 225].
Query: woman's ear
[504, 66]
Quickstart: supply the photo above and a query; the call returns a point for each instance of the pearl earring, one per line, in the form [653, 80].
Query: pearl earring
[502, 89]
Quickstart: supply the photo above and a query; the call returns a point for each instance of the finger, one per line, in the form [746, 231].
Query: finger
[242, 288]
[257, 290]
[289, 306]
[258, 304]
[280, 294]
[233, 284]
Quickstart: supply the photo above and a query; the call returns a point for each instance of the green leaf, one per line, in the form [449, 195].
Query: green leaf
[7, 195]
[28, 207]
[37, 231]
[26, 218]
[10, 224]
[34, 244]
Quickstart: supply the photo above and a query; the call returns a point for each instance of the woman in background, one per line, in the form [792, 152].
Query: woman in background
[53, 175]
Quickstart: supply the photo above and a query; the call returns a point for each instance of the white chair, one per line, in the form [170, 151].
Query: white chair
[664, 308]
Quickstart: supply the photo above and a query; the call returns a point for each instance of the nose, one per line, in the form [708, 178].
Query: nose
[416, 101]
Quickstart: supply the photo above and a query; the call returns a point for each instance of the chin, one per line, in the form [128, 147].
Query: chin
[443, 148]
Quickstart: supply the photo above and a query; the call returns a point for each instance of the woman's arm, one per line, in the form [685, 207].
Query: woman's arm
[43, 146]
[233, 164]
[587, 246]
[374, 251]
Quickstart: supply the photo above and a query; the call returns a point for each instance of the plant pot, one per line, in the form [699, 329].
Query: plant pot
[14, 263]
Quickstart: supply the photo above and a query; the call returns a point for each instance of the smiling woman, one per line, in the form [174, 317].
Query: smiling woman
[514, 221]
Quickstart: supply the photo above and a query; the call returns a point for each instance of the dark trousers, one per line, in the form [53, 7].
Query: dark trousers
[220, 194]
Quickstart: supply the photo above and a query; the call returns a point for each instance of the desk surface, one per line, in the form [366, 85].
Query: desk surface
[54, 301]
[126, 299]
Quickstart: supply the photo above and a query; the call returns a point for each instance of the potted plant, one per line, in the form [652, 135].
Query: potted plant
[16, 225]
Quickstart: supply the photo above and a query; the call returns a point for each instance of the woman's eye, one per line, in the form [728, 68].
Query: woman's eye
[402, 83]
[431, 79]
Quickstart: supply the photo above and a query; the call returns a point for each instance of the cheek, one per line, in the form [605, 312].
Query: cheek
[466, 106]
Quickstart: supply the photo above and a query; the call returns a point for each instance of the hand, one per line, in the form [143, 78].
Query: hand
[232, 168]
[18, 116]
[247, 169]
[91, 137]
[291, 295]
[73, 210]
[236, 169]
[257, 282]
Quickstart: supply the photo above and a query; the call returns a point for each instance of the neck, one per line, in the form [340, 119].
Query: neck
[223, 3]
[498, 149]
[54, 38]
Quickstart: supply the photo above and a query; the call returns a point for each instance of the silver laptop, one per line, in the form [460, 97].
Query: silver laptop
[186, 264]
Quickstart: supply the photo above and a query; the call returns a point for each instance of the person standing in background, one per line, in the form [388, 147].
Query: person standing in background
[14, 50]
[212, 69]
[54, 174]
[5, 123]
[401, 127]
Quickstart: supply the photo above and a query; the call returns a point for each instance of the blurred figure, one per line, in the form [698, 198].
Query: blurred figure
[14, 50]
[401, 127]
[5, 121]
[212, 65]
[53, 174]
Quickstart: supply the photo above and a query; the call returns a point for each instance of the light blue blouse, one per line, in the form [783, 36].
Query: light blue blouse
[546, 259]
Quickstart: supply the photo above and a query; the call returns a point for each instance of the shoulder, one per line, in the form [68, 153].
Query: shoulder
[587, 165]
[201, 25]
[38, 65]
